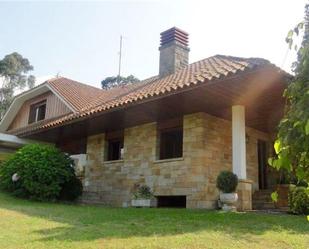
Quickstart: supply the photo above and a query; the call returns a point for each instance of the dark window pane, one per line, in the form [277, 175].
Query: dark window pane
[114, 149]
[32, 115]
[41, 112]
[171, 144]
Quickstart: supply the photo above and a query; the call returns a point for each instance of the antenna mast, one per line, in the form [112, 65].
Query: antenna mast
[120, 52]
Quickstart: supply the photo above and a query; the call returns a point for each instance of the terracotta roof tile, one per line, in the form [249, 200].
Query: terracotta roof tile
[89, 100]
[75, 93]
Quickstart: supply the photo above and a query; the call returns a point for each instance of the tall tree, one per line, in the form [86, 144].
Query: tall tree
[292, 144]
[110, 82]
[14, 75]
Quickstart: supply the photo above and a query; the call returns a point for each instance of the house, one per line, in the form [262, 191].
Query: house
[173, 132]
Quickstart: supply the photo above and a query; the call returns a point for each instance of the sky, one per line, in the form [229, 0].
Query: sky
[80, 40]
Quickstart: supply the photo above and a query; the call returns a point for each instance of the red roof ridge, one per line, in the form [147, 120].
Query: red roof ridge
[75, 82]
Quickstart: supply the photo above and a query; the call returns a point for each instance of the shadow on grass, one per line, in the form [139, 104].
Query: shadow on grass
[78, 223]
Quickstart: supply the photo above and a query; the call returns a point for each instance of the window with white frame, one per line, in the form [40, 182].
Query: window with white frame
[37, 112]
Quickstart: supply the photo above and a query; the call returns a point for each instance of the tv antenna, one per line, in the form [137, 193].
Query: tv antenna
[120, 54]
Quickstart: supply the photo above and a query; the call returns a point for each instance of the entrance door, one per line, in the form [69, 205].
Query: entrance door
[262, 161]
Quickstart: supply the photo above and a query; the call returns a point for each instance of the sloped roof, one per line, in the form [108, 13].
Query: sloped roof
[89, 100]
[75, 93]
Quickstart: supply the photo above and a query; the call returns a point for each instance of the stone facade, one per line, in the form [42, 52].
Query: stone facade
[173, 56]
[244, 190]
[207, 150]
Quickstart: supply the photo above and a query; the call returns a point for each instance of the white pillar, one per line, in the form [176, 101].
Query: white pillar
[239, 141]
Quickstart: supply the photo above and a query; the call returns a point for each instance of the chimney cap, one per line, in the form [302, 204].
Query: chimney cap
[174, 34]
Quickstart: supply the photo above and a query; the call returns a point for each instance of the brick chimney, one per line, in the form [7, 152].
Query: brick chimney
[174, 51]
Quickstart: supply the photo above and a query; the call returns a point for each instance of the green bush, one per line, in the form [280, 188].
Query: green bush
[299, 200]
[42, 171]
[71, 189]
[227, 182]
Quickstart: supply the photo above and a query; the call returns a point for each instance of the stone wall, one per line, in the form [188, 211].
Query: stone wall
[173, 57]
[207, 149]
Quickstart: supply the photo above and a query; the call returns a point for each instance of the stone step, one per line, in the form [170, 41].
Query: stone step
[261, 200]
[268, 199]
[263, 192]
[261, 196]
[265, 205]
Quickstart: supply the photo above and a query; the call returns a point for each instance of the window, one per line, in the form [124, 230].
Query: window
[175, 201]
[171, 144]
[114, 146]
[170, 139]
[37, 112]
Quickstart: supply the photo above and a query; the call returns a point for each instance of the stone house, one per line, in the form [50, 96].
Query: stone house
[173, 132]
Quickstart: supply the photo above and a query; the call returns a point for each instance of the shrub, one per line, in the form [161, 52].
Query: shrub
[143, 192]
[227, 182]
[71, 190]
[42, 171]
[299, 200]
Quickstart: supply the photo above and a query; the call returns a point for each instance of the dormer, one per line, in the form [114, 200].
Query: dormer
[54, 98]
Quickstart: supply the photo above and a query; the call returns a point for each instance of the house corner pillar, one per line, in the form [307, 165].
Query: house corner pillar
[244, 188]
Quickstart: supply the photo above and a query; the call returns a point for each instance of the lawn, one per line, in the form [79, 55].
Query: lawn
[27, 224]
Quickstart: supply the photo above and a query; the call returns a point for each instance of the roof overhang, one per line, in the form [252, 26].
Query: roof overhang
[259, 91]
[11, 141]
[21, 98]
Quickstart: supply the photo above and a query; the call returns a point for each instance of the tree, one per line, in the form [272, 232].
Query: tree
[110, 82]
[292, 144]
[14, 75]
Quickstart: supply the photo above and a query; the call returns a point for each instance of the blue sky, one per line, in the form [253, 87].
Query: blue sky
[80, 40]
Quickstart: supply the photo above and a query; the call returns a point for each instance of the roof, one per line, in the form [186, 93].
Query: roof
[90, 100]
[75, 93]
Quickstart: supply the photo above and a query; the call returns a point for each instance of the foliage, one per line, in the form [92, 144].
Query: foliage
[227, 182]
[299, 200]
[71, 189]
[274, 196]
[143, 192]
[286, 177]
[13, 75]
[292, 141]
[110, 82]
[42, 171]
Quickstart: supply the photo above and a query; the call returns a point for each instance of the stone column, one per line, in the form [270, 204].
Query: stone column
[244, 191]
[239, 141]
[244, 188]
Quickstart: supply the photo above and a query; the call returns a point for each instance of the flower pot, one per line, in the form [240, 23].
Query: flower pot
[283, 193]
[144, 202]
[229, 201]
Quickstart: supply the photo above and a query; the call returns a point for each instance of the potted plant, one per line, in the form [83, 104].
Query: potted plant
[143, 197]
[282, 189]
[227, 183]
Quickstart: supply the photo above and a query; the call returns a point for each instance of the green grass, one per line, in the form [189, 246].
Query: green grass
[27, 224]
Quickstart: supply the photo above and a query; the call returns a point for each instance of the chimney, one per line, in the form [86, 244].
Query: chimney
[174, 51]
